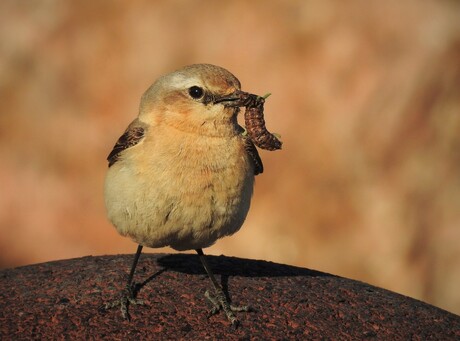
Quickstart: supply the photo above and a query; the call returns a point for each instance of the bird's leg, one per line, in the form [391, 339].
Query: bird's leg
[219, 301]
[129, 292]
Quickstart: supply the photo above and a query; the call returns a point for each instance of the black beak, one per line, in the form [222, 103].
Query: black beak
[239, 99]
[232, 100]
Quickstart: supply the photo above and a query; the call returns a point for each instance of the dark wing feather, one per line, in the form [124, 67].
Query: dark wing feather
[132, 136]
[254, 155]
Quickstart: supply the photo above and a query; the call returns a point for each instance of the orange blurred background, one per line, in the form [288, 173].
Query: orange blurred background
[366, 97]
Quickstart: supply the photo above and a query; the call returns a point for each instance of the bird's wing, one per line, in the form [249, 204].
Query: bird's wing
[132, 136]
[254, 155]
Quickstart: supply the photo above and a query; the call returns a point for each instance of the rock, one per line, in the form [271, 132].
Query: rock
[63, 299]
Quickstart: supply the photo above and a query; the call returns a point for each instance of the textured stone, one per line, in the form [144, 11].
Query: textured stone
[63, 299]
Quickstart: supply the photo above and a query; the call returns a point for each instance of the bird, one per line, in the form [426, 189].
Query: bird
[182, 174]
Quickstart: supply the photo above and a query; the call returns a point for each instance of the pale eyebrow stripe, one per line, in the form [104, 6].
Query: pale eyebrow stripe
[183, 82]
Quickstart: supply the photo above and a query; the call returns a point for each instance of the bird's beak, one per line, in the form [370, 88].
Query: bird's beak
[236, 99]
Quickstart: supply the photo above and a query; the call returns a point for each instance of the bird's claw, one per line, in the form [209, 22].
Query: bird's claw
[127, 297]
[219, 302]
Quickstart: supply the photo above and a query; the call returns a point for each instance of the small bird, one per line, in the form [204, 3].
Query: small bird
[182, 174]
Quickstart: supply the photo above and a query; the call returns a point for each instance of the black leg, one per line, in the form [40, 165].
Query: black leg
[133, 267]
[128, 294]
[220, 300]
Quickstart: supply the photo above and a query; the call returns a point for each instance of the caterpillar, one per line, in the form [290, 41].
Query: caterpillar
[255, 123]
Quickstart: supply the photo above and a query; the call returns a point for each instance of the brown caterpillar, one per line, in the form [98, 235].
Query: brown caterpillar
[255, 123]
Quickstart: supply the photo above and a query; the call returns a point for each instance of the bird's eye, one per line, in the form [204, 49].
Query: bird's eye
[196, 92]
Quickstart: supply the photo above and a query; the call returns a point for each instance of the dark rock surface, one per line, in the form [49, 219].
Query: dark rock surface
[62, 300]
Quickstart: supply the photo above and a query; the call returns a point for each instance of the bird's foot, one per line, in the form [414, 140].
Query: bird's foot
[127, 297]
[220, 302]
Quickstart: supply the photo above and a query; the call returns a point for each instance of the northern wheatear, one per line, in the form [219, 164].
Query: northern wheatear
[182, 174]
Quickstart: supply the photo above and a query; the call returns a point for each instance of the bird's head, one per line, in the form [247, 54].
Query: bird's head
[199, 98]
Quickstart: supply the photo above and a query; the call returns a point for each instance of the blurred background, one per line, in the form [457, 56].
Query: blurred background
[365, 94]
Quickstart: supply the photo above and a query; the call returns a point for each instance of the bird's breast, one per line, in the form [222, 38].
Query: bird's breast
[185, 190]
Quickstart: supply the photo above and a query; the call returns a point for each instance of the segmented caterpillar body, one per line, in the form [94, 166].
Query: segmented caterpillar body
[255, 123]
